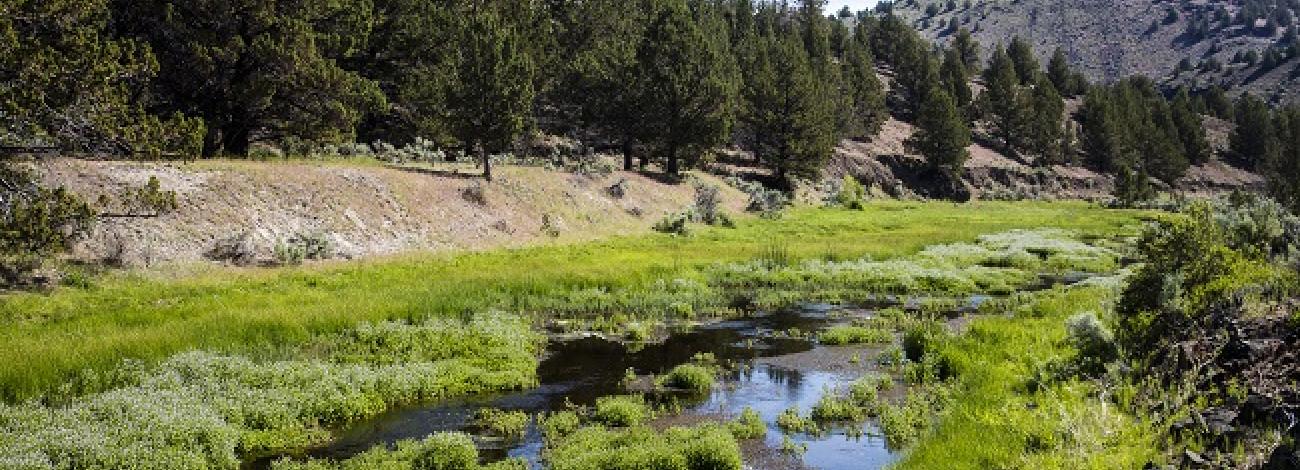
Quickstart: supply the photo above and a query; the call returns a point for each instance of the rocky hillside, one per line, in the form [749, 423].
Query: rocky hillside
[1237, 44]
[361, 209]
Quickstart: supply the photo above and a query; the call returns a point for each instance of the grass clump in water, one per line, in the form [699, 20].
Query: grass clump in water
[694, 378]
[621, 410]
[505, 424]
[748, 426]
[791, 421]
[833, 408]
[847, 334]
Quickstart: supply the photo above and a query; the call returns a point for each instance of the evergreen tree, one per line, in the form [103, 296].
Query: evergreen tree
[257, 70]
[1022, 57]
[915, 72]
[65, 82]
[1254, 141]
[955, 81]
[684, 94]
[999, 100]
[868, 96]
[968, 48]
[1042, 121]
[1058, 71]
[942, 134]
[1217, 100]
[794, 129]
[494, 91]
[1102, 132]
[1191, 132]
[1284, 172]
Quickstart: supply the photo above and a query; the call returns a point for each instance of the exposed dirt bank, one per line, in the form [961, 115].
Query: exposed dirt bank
[363, 209]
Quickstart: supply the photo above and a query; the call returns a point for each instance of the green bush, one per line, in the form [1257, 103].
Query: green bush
[922, 337]
[851, 194]
[690, 377]
[448, 452]
[621, 410]
[442, 451]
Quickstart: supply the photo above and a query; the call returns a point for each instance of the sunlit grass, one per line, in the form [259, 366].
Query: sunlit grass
[49, 337]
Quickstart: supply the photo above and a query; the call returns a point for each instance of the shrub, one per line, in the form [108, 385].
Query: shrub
[236, 249]
[1094, 342]
[844, 334]
[708, 202]
[748, 426]
[621, 410]
[149, 199]
[851, 194]
[674, 224]
[475, 193]
[690, 377]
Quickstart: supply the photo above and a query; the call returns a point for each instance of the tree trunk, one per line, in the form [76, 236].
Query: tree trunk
[627, 154]
[487, 163]
[235, 140]
[212, 142]
[672, 168]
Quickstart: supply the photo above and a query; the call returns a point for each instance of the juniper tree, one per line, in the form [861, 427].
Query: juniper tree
[1254, 140]
[1022, 57]
[1058, 71]
[1191, 132]
[868, 112]
[794, 130]
[968, 48]
[66, 82]
[1042, 114]
[254, 69]
[1284, 172]
[941, 133]
[684, 97]
[493, 94]
[999, 102]
[953, 76]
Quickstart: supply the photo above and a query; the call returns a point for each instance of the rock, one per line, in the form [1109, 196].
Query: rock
[1285, 457]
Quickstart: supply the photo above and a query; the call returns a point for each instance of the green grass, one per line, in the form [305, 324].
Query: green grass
[48, 338]
[1006, 409]
[846, 334]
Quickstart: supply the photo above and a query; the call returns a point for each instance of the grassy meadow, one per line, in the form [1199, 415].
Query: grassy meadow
[49, 338]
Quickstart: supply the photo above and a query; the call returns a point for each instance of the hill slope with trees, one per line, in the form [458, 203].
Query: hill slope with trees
[1237, 45]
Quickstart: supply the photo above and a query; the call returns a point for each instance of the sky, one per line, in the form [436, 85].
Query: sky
[855, 5]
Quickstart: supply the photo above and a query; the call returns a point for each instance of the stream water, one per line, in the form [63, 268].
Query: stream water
[578, 371]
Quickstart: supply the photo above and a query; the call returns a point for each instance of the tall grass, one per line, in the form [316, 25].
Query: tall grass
[1007, 413]
[48, 339]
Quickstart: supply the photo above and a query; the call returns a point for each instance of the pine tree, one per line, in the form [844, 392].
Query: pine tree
[1101, 131]
[999, 100]
[955, 81]
[942, 134]
[1217, 100]
[1022, 57]
[684, 96]
[1254, 141]
[794, 128]
[1041, 123]
[1191, 132]
[494, 92]
[868, 112]
[1058, 71]
[968, 48]
[915, 72]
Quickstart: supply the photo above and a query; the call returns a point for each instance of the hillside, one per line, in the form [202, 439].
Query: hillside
[362, 208]
[1195, 43]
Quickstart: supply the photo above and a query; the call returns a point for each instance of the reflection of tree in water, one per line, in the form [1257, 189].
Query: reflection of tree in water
[791, 379]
